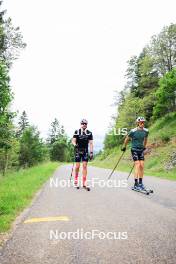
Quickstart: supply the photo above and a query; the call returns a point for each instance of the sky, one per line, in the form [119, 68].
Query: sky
[76, 57]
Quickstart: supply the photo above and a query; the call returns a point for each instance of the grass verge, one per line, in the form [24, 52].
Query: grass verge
[18, 188]
[154, 163]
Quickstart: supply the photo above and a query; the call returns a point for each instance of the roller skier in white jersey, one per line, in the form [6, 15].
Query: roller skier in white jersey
[83, 143]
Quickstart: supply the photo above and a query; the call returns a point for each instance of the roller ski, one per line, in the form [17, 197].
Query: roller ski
[141, 188]
[149, 190]
[86, 188]
[76, 186]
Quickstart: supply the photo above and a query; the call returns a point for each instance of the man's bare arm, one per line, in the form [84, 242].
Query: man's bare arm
[127, 139]
[145, 142]
[91, 145]
[74, 141]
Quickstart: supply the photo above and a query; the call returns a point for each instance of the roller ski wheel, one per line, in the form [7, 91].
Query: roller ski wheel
[86, 188]
[150, 190]
[146, 189]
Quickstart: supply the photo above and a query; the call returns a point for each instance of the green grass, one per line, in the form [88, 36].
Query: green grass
[18, 188]
[164, 128]
[154, 163]
[162, 132]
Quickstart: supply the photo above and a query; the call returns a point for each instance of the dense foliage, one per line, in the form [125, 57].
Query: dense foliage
[150, 89]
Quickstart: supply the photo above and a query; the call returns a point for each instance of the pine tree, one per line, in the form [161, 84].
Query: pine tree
[23, 124]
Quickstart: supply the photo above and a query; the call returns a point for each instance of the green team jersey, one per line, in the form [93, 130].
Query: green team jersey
[137, 136]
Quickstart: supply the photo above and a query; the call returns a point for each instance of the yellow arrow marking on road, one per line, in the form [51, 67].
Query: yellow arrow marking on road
[46, 219]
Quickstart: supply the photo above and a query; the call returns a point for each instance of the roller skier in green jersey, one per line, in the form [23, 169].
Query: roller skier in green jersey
[138, 137]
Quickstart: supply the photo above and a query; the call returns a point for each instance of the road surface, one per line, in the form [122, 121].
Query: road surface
[143, 228]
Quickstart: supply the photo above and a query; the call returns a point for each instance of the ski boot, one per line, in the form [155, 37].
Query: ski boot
[136, 187]
[141, 187]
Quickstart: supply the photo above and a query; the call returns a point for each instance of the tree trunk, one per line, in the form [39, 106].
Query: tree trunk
[6, 162]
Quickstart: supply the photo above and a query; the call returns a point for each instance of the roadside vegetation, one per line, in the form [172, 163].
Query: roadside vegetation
[150, 91]
[18, 188]
[21, 144]
[26, 159]
[161, 161]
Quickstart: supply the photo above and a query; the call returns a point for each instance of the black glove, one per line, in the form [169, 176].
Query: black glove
[91, 155]
[123, 149]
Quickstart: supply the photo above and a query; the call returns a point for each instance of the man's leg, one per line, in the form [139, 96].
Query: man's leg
[77, 172]
[84, 173]
[137, 169]
[141, 171]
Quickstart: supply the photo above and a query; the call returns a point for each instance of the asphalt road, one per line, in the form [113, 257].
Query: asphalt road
[144, 226]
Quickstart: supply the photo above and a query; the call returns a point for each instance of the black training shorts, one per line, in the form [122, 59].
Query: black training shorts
[137, 154]
[81, 156]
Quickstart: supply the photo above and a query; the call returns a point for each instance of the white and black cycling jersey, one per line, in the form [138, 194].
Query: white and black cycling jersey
[82, 138]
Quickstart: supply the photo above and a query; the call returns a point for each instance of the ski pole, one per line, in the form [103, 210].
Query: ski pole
[72, 172]
[130, 172]
[72, 166]
[116, 165]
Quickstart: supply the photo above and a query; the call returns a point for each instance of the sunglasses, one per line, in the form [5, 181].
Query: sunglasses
[141, 122]
[84, 124]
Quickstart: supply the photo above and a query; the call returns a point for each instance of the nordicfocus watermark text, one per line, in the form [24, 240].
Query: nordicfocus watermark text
[118, 132]
[80, 234]
[94, 182]
[114, 131]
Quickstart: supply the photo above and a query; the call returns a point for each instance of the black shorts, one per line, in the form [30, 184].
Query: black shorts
[81, 156]
[137, 154]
